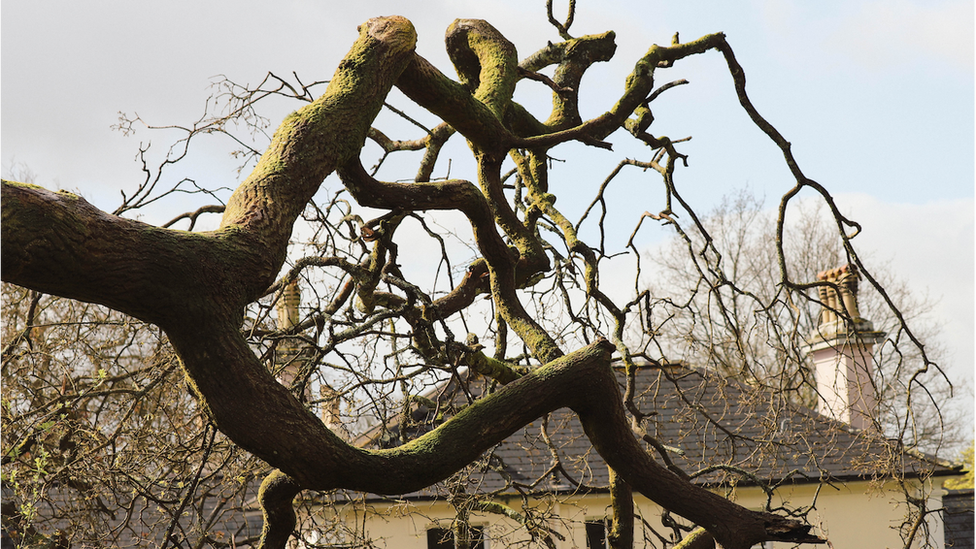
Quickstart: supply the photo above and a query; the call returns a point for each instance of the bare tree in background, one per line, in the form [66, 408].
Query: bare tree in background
[375, 328]
[743, 230]
[103, 444]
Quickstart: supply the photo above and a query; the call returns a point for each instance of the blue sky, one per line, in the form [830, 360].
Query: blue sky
[876, 97]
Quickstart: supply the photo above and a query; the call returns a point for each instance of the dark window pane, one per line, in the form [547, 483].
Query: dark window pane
[443, 538]
[596, 534]
[478, 537]
[440, 538]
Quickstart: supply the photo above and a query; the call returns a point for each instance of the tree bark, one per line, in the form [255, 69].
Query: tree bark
[195, 286]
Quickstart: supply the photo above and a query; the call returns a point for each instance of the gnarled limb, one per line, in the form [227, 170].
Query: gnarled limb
[572, 57]
[195, 286]
[699, 538]
[621, 535]
[277, 496]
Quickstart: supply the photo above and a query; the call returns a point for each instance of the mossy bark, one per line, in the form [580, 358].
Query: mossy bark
[196, 285]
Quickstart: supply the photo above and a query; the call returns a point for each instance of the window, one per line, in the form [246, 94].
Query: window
[443, 538]
[596, 534]
[440, 538]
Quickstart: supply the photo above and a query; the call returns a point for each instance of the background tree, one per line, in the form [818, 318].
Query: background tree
[103, 443]
[967, 480]
[770, 353]
[378, 330]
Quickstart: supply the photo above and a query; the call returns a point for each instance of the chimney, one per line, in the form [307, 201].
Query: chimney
[288, 351]
[841, 350]
[291, 356]
[331, 402]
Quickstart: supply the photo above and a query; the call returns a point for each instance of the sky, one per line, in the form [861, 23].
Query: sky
[876, 97]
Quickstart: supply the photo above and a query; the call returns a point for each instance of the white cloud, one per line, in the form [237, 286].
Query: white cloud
[886, 32]
[931, 247]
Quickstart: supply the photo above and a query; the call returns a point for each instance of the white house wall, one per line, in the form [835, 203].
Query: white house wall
[854, 515]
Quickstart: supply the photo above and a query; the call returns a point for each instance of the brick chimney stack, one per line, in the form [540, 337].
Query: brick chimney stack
[292, 356]
[288, 351]
[842, 349]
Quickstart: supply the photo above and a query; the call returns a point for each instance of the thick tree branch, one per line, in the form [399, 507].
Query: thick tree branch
[621, 535]
[277, 496]
[59, 243]
[573, 58]
[452, 102]
[307, 146]
[463, 196]
[195, 286]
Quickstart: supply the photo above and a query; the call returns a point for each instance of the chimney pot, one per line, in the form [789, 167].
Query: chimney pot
[841, 350]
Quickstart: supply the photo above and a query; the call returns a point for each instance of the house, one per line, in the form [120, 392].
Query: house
[855, 481]
[546, 484]
[957, 513]
[222, 514]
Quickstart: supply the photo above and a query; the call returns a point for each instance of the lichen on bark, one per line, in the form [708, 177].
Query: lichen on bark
[196, 285]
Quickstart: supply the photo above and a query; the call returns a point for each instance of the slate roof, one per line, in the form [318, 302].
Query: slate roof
[958, 515]
[707, 421]
[229, 515]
